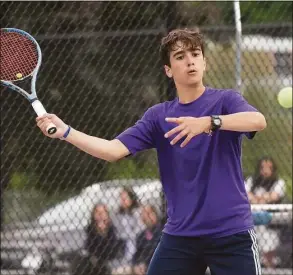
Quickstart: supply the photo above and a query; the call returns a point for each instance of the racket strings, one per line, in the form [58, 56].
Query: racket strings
[18, 55]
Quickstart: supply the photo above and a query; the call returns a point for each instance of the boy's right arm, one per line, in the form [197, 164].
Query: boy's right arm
[109, 150]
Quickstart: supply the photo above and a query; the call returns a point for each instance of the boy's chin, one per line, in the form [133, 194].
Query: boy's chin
[193, 82]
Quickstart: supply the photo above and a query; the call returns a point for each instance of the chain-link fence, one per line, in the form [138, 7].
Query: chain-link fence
[101, 70]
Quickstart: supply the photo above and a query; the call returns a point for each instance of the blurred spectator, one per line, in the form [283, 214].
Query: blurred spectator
[128, 224]
[147, 241]
[101, 246]
[266, 187]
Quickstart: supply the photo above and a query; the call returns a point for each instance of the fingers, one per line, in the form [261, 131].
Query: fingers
[44, 121]
[182, 129]
[40, 123]
[174, 131]
[50, 116]
[43, 124]
[179, 136]
[177, 120]
[186, 141]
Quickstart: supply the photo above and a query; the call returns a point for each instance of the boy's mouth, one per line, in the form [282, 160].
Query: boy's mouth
[191, 72]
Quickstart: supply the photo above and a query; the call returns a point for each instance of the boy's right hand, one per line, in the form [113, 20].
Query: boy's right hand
[44, 121]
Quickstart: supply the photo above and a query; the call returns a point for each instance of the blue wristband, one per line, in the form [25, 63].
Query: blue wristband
[67, 132]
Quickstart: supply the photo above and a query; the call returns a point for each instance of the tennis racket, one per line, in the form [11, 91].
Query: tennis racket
[21, 58]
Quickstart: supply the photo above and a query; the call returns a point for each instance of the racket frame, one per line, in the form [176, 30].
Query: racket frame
[32, 98]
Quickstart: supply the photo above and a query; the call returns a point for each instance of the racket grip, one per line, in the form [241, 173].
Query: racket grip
[40, 111]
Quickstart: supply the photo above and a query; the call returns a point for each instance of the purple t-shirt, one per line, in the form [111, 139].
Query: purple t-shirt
[203, 182]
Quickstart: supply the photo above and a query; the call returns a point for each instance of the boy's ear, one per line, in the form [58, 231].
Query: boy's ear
[204, 64]
[168, 71]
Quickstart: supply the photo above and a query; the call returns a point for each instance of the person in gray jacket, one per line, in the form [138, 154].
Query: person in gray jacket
[128, 224]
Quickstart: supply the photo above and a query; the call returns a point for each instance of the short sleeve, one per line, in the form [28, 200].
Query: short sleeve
[279, 188]
[140, 136]
[233, 103]
[248, 184]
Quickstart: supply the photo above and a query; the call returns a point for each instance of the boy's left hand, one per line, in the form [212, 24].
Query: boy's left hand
[189, 127]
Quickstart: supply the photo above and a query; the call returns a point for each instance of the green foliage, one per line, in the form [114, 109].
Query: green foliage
[220, 71]
[222, 12]
[132, 168]
[27, 204]
[22, 180]
[255, 12]
[25, 199]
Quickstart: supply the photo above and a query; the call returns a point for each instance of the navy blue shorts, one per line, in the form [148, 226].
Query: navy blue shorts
[232, 255]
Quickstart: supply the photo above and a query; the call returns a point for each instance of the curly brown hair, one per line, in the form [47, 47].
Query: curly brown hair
[191, 39]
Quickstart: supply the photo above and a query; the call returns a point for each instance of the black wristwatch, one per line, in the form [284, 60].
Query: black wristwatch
[216, 123]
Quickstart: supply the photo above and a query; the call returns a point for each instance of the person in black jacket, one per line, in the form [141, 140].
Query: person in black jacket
[101, 245]
[147, 240]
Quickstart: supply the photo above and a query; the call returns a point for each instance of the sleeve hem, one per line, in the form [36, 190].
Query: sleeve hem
[250, 135]
[131, 150]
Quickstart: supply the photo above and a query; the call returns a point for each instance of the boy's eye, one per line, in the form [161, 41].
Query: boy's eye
[195, 54]
[179, 57]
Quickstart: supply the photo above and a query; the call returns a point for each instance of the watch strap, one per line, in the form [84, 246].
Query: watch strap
[214, 126]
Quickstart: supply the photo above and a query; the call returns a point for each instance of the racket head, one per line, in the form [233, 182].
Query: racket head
[20, 55]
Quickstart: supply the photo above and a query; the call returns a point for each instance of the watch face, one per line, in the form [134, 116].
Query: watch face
[217, 121]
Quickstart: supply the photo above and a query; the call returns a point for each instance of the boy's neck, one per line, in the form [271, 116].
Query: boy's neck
[187, 94]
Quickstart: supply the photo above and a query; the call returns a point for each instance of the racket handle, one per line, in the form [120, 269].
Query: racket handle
[40, 111]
